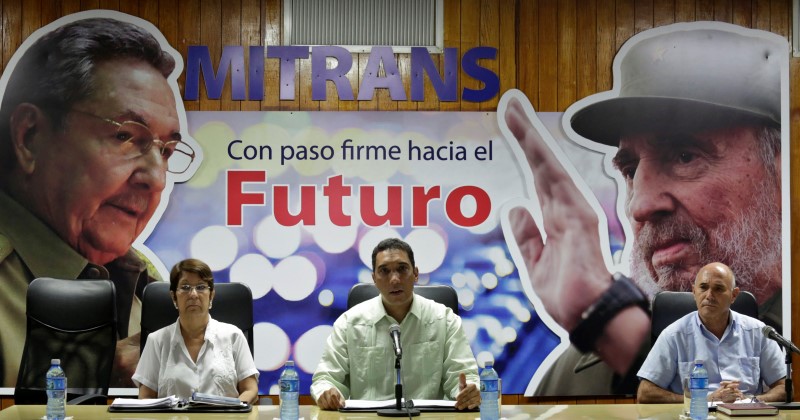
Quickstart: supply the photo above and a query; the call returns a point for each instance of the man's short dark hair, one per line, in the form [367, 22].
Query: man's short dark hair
[190, 265]
[57, 71]
[392, 243]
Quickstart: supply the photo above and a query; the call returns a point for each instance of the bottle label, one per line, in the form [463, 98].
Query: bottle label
[56, 383]
[698, 383]
[489, 385]
[289, 386]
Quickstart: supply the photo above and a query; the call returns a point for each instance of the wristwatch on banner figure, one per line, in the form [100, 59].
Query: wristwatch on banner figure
[622, 294]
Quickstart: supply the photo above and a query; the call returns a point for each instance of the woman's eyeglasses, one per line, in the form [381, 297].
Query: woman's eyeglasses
[185, 289]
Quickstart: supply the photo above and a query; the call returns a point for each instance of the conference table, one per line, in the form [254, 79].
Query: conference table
[269, 412]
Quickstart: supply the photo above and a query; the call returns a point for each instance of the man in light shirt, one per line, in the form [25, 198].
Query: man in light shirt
[358, 361]
[739, 358]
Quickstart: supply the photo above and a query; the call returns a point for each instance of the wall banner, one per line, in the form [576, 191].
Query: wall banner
[525, 214]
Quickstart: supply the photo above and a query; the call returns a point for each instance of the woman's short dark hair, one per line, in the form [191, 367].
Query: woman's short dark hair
[190, 265]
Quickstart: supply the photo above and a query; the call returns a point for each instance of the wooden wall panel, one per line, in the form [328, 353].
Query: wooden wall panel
[71, 6]
[606, 44]
[211, 37]
[490, 37]
[642, 15]
[147, 10]
[51, 10]
[271, 16]
[188, 34]
[567, 72]
[704, 10]
[131, 7]
[251, 36]
[431, 102]
[684, 11]
[547, 85]
[528, 51]
[507, 63]
[12, 27]
[470, 28]
[742, 13]
[663, 12]
[231, 35]
[452, 38]
[304, 72]
[556, 52]
[31, 19]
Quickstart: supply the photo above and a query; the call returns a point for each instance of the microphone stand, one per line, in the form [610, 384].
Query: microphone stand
[788, 404]
[399, 411]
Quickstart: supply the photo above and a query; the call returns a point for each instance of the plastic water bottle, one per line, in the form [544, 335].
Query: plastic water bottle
[698, 386]
[56, 391]
[490, 410]
[290, 392]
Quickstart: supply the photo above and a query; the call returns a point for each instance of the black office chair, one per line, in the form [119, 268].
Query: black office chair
[75, 321]
[233, 303]
[441, 293]
[668, 307]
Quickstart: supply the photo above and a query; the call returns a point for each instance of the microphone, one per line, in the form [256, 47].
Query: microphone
[770, 333]
[394, 332]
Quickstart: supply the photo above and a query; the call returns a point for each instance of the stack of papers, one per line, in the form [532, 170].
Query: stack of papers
[373, 404]
[198, 403]
[209, 399]
[146, 403]
[421, 405]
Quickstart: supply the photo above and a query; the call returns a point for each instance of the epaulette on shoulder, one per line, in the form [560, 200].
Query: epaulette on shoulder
[6, 247]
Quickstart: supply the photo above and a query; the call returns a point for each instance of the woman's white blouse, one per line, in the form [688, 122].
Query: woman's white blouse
[223, 361]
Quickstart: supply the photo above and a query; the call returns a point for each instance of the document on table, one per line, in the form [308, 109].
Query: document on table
[374, 404]
[165, 402]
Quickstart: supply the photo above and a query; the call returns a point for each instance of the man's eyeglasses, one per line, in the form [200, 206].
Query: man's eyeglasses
[200, 289]
[136, 140]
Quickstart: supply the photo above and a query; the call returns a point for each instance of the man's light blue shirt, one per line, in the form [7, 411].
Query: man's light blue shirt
[743, 354]
[359, 360]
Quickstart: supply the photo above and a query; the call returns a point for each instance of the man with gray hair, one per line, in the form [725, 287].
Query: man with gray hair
[693, 126]
[89, 128]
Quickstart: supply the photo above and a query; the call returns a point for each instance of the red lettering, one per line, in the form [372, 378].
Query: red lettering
[483, 206]
[280, 206]
[394, 206]
[336, 191]
[419, 204]
[237, 198]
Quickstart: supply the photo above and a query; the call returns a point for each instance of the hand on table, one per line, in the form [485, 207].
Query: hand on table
[331, 399]
[727, 392]
[469, 396]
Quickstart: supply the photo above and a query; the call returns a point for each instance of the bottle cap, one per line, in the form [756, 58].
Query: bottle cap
[488, 364]
[55, 361]
[289, 363]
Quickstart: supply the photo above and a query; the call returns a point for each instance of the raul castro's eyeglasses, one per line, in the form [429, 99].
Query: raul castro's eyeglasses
[136, 140]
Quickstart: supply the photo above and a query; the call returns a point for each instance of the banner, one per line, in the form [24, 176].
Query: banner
[292, 203]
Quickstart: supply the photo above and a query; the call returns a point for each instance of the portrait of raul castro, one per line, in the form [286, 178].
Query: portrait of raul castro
[92, 139]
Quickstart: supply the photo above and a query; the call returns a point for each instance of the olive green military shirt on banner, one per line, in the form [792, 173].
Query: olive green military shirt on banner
[359, 358]
[30, 249]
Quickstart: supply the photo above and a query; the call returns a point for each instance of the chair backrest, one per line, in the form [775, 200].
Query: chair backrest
[71, 320]
[668, 307]
[441, 293]
[233, 303]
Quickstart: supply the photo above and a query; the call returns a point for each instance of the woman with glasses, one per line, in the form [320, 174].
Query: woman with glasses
[196, 353]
